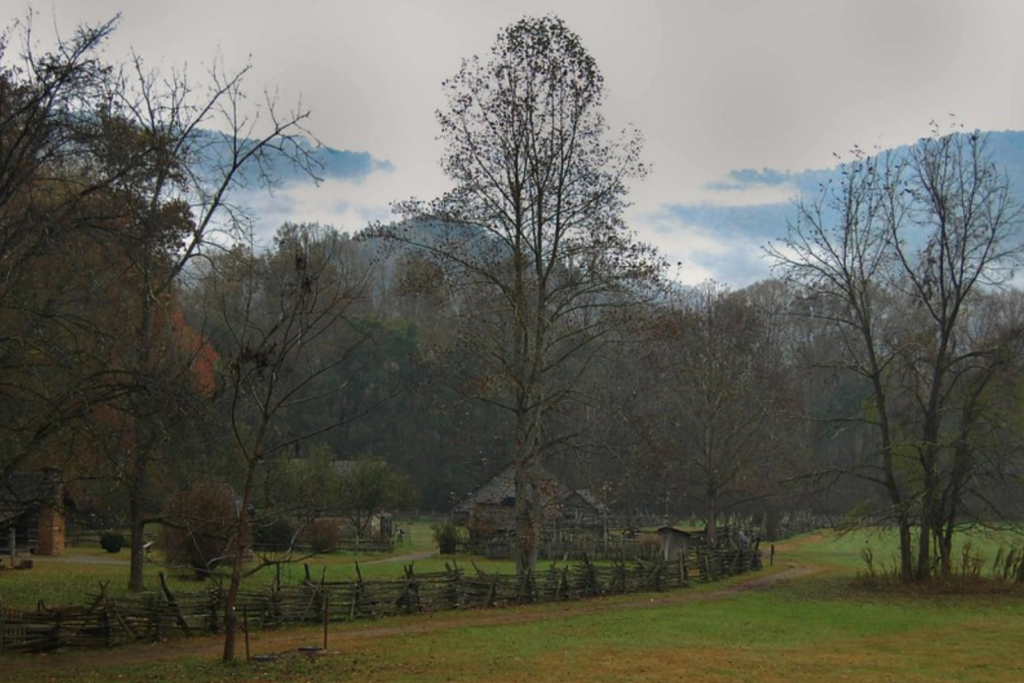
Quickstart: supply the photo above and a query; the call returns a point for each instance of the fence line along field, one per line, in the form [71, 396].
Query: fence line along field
[107, 622]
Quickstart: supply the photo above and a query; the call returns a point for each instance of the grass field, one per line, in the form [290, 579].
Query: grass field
[817, 624]
[67, 580]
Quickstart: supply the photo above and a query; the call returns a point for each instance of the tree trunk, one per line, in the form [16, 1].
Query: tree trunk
[526, 528]
[928, 516]
[711, 532]
[140, 447]
[137, 538]
[906, 551]
[238, 555]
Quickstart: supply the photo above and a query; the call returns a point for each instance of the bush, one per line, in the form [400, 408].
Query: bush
[449, 537]
[202, 523]
[111, 541]
[323, 534]
[275, 534]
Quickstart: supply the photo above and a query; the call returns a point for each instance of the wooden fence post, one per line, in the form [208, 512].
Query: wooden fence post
[245, 627]
[173, 603]
[492, 593]
[327, 616]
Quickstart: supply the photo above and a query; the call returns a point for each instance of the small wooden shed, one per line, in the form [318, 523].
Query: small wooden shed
[675, 542]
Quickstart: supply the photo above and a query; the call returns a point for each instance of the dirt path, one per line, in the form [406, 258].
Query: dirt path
[88, 559]
[347, 637]
[411, 557]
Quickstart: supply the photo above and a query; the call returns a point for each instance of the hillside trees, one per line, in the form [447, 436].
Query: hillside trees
[532, 234]
[720, 387]
[897, 260]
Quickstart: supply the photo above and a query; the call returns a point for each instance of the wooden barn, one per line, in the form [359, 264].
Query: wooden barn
[489, 512]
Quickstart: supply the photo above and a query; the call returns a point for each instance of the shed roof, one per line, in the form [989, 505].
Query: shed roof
[587, 497]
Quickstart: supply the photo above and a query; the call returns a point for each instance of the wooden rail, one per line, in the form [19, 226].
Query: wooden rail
[149, 617]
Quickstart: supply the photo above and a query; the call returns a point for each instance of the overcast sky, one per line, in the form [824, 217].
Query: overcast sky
[715, 85]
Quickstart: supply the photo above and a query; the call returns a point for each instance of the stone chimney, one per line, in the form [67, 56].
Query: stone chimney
[51, 530]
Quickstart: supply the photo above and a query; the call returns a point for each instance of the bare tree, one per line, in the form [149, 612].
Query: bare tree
[894, 259]
[277, 308]
[534, 230]
[49, 378]
[189, 175]
[720, 395]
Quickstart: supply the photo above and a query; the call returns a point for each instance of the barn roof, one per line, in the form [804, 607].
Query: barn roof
[502, 487]
[501, 490]
[587, 497]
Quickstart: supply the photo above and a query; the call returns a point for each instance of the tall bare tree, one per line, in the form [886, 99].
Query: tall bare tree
[96, 158]
[190, 173]
[50, 375]
[534, 230]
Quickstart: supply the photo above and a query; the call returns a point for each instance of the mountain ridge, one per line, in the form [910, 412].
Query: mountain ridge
[746, 228]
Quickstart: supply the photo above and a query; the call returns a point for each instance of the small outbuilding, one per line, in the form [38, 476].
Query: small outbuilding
[675, 542]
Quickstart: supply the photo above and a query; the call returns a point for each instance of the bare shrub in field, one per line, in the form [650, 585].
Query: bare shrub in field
[200, 523]
[868, 556]
[1009, 563]
[323, 534]
[449, 537]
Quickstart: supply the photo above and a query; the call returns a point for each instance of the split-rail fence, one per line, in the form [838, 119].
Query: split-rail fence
[105, 622]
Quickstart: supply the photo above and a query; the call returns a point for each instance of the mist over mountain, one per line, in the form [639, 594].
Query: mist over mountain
[280, 163]
[739, 230]
[723, 237]
[300, 181]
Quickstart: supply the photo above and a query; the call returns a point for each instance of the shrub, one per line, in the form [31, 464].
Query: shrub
[275, 534]
[111, 541]
[201, 526]
[323, 534]
[448, 537]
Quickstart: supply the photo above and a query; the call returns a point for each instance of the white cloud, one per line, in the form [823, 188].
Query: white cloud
[747, 195]
[713, 86]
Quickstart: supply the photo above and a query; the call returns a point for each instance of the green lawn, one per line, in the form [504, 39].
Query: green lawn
[844, 551]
